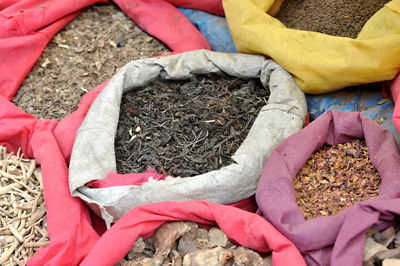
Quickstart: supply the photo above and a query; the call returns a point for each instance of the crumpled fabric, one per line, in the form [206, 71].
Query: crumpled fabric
[338, 239]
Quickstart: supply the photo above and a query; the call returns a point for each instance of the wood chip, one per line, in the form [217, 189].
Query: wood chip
[383, 101]
[15, 233]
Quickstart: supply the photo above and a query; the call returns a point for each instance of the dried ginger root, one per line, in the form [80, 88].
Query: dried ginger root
[197, 247]
[212, 257]
[166, 235]
[22, 209]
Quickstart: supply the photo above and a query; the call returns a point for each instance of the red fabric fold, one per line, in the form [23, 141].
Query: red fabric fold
[245, 228]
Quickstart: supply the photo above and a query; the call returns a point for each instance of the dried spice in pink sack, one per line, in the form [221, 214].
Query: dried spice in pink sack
[335, 239]
[334, 178]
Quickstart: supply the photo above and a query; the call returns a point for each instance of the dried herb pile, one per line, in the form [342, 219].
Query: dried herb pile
[87, 52]
[23, 227]
[183, 243]
[336, 177]
[339, 17]
[185, 128]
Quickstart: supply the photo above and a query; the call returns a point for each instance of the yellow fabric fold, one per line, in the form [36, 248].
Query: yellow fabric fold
[319, 62]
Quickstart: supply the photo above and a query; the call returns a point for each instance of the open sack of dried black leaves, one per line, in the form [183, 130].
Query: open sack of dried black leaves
[324, 186]
[193, 126]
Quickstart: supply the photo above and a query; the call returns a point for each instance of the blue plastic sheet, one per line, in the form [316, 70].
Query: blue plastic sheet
[214, 29]
[357, 99]
[368, 101]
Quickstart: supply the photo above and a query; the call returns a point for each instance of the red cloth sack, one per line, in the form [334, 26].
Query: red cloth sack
[245, 228]
[337, 239]
[26, 26]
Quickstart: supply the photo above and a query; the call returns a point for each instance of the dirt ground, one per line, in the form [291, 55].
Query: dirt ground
[88, 51]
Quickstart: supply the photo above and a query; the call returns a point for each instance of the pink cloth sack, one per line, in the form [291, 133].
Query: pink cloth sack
[338, 239]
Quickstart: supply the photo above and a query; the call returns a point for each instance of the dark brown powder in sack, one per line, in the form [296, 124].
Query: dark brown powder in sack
[334, 17]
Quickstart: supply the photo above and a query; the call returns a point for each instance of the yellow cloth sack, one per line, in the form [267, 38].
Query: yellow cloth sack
[320, 63]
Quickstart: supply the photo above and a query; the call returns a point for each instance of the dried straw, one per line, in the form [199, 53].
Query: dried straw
[23, 227]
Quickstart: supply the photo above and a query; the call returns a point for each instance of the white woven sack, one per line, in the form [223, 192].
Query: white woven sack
[93, 152]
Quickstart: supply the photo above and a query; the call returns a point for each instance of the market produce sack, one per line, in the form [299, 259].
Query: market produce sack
[244, 228]
[320, 63]
[27, 26]
[337, 239]
[93, 155]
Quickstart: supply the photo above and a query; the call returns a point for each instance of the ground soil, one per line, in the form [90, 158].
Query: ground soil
[186, 128]
[88, 51]
[334, 17]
